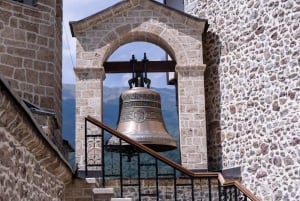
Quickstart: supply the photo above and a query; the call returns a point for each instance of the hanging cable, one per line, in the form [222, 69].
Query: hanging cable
[68, 45]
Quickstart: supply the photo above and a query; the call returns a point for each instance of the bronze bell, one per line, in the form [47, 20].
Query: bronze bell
[140, 118]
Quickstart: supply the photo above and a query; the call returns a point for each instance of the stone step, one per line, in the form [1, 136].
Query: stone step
[106, 194]
[102, 194]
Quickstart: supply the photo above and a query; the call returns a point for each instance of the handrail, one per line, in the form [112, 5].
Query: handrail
[155, 154]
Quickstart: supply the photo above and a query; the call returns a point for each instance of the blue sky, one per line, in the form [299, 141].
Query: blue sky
[77, 9]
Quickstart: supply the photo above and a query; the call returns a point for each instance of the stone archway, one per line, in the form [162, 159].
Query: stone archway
[179, 34]
[140, 36]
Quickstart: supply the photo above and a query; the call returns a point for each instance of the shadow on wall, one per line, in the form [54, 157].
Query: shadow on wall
[212, 53]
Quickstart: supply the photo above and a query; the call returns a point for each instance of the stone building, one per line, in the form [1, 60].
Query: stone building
[252, 84]
[32, 156]
[31, 40]
[237, 74]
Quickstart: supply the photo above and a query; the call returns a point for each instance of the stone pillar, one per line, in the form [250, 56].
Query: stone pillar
[192, 124]
[89, 101]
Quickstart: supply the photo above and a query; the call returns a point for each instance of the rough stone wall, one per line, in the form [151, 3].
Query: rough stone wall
[22, 177]
[31, 167]
[30, 51]
[252, 86]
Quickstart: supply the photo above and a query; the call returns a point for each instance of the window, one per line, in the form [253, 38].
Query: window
[28, 2]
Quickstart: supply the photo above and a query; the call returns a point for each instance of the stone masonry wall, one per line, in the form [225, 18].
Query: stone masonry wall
[31, 167]
[252, 93]
[191, 103]
[22, 177]
[30, 51]
[89, 92]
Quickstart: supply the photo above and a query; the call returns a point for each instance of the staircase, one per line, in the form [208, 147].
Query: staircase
[143, 174]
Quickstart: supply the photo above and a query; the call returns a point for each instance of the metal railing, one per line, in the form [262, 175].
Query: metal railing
[143, 174]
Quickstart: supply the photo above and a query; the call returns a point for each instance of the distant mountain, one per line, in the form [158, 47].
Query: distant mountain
[111, 111]
[68, 113]
[68, 91]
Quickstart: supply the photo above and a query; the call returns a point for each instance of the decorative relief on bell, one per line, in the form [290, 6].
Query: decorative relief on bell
[140, 96]
[141, 103]
[139, 115]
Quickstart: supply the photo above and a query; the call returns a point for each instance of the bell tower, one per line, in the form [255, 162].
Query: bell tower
[179, 34]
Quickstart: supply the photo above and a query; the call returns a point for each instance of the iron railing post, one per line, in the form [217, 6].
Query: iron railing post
[175, 184]
[139, 175]
[219, 189]
[209, 189]
[85, 147]
[121, 171]
[236, 194]
[156, 177]
[102, 158]
[193, 196]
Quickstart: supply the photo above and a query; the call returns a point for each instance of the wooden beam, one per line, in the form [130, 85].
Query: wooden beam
[152, 66]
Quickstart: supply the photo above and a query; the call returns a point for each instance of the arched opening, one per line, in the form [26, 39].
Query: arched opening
[125, 52]
[116, 83]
